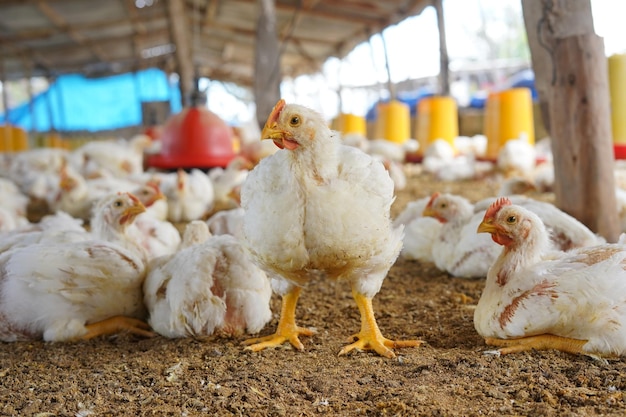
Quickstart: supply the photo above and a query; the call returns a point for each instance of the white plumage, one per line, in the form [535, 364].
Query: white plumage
[319, 206]
[77, 195]
[420, 232]
[210, 285]
[457, 249]
[227, 222]
[517, 157]
[77, 290]
[105, 158]
[535, 298]
[157, 237]
[190, 196]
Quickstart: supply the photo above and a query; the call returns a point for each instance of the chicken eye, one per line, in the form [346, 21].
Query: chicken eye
[118, 203]
[511, 219]
[295, 121]
[443, 205]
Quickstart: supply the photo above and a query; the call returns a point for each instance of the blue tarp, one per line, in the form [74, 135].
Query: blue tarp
[74, 102]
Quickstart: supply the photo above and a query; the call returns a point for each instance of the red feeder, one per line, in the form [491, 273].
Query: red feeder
[194, 138]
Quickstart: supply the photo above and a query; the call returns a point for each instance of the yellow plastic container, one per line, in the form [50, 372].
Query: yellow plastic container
[394, 121]
[508, 115]
[351, 123]
[13, 139]
[437, 118]
[617, 89]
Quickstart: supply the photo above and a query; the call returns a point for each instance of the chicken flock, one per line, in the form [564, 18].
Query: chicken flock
[193, 253]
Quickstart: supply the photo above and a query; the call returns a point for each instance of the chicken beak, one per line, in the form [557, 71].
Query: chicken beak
[66, 183]
[429, 212]
[158, 196]
[271, 131]
[487, 226]
[131, 212]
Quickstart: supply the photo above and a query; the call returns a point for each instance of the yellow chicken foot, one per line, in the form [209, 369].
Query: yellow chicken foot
[370, 337]
[539, 342]
[286, 330]
[117, 324]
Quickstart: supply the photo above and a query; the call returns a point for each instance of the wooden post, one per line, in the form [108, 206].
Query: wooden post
[180, 28]
[583, 153]
[572, 78]
[444, 60]
[267, 75]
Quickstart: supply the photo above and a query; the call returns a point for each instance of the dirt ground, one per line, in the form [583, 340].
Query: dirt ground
[449, 375]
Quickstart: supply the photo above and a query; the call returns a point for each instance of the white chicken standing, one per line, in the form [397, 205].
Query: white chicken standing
[190, 196]
[78, 290]
[315, 206]
[537, 299]
[209, 285]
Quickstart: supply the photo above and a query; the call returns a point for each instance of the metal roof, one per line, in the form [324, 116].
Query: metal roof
[105, 37]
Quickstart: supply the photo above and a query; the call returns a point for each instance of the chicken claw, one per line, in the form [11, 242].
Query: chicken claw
[118, 324]
[539, 342]
[370, 337]
[286, 330]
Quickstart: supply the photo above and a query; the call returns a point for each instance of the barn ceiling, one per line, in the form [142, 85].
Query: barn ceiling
[105, 37]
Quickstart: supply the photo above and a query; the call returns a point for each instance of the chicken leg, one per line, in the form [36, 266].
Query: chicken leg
[370, 337]
[117, 324]
[539, 342]
[286, 330]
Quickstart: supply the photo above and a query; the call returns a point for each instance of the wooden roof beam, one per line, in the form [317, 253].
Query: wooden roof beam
[138, 28]
[60, 22]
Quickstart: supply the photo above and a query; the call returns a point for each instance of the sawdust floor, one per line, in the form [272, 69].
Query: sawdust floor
[447, 376]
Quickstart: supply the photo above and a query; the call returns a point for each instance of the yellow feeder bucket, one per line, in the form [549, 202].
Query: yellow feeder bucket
[394, 121]
[13, 139]
[351, 123]
[617, 90]
[437, 118]
[508, 115]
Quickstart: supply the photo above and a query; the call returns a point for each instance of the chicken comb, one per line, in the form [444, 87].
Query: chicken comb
[432, 199]
[495, 207]
[133, 198]
[278, 108]
[154, 185]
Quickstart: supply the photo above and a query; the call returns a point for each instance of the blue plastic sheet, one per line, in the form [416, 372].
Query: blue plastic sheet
[75, 103]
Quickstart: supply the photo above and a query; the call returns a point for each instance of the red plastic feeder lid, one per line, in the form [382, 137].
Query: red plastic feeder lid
[619, 151]
[194, 138]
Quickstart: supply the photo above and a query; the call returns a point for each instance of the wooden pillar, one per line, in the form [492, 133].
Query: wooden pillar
[180, 28]
[267, 76]
[572, 78]
[5, 134]
[444, 60]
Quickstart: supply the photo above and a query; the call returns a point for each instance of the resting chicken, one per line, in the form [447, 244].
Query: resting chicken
[535, 298]
[80, 289]
[316, 206]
